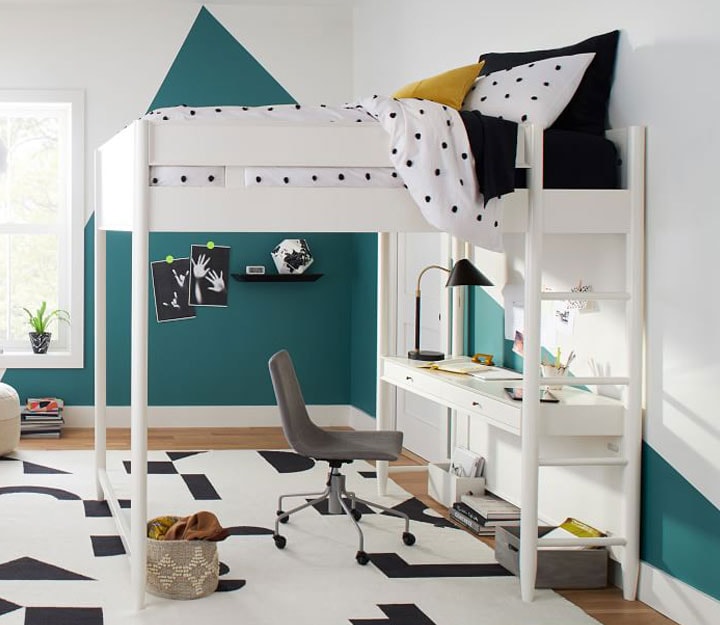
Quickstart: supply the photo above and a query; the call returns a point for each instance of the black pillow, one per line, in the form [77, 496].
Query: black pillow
[587, 111]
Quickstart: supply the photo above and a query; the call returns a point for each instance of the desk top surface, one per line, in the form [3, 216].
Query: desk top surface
[569, 396]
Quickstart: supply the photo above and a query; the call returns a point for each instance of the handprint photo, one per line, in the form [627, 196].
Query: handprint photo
[209, 271]
[171, 284]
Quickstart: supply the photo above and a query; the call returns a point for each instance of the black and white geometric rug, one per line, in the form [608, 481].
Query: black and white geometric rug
[62, 562]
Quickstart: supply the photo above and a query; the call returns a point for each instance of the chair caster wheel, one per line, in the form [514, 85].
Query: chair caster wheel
[362, 558]
[408, 538]
[356, 514]
[280, 541]
[286, 519]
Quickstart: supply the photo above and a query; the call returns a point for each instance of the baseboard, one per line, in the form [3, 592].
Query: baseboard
[675, 599]
[360, 420]
[203, 416]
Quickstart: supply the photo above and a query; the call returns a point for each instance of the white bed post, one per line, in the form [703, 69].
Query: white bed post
[139, 373]
[635, 244]
[531, 372]
[384, 409]
[100, 343]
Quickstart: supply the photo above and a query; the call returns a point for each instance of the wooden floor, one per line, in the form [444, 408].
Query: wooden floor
[606, 605]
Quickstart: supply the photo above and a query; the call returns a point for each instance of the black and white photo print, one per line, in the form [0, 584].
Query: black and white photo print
[209, 271]
[171, 285]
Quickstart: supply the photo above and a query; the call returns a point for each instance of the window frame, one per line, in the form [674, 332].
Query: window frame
[71, 276]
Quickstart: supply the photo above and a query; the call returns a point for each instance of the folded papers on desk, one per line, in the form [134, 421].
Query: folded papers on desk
[466, 366]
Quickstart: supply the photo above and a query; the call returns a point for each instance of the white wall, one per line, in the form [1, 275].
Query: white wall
[665, 80]
[119, 53]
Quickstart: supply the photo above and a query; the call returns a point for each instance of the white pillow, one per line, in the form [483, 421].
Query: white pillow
[536, 92]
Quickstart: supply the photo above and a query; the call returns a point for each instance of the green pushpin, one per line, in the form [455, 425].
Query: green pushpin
[210, 244]
[169, 259]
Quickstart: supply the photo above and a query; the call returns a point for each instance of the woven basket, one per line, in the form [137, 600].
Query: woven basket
[182, 569]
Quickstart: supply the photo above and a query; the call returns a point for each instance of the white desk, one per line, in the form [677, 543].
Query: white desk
[578, 413]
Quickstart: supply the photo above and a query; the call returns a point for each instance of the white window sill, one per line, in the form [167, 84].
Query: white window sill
[51, 360]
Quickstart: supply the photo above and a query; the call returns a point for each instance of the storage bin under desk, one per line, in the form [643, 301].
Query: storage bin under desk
[556, 568]
[447, 488]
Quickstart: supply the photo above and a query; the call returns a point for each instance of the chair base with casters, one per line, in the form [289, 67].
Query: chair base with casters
[335, 493]
[334, 447]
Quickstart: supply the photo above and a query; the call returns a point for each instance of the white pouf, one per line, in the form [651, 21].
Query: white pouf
[9, 419]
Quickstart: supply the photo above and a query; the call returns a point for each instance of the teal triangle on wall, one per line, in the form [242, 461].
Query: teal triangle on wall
[212, 68]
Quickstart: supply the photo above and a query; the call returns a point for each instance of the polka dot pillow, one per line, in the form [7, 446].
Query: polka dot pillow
[536, 92]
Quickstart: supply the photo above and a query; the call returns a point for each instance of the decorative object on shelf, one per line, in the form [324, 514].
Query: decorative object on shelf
[255, 270]
[463, 273]
[292, 256]
[40, 321]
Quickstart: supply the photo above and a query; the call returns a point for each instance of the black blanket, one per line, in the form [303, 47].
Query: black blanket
[494, 145]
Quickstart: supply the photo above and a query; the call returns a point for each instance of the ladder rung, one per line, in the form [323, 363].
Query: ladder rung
[581, 381]
[590, 541]
[582, 462]
[584, 296]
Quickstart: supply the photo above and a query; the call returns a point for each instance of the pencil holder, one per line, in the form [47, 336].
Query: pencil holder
[553, 371]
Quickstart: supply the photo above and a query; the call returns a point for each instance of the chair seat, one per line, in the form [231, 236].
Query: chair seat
[360, 445]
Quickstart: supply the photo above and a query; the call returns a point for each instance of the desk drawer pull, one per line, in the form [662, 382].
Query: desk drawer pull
[477, 403]
[409, 378]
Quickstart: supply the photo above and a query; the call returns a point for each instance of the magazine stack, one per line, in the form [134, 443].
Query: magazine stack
[41, 417]
[482, 514]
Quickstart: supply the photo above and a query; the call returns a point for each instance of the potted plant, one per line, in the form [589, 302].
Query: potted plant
[40, 337]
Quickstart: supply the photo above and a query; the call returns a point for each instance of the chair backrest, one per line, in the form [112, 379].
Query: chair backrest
[301, 433]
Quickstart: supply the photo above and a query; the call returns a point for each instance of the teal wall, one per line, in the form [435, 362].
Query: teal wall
[679, 532]
[212, 68]
[220, 357]
[363, 327]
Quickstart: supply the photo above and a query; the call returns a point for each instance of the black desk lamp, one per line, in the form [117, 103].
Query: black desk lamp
[463, 273]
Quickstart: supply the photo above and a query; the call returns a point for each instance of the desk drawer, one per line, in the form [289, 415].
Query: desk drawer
[444, 389]
[499, 413]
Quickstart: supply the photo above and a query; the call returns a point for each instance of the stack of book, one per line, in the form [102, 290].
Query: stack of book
[482, 514]
[41, 418]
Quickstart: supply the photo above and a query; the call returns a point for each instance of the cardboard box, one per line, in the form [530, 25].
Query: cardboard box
[556, 568]
[447, 488]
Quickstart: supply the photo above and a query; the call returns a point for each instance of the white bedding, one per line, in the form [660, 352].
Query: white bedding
[194, 176]
[430, 152]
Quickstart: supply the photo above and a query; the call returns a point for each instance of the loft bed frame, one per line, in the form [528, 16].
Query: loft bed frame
[127, 202]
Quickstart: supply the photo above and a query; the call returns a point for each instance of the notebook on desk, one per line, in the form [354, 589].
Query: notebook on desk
[497, 373]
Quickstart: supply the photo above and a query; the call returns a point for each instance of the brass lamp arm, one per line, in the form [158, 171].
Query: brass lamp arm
[422, 273]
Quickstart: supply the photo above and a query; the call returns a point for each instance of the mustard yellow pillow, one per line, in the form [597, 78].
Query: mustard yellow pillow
[447, 88]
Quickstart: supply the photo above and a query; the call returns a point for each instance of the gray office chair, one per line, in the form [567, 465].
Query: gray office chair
[336, 448]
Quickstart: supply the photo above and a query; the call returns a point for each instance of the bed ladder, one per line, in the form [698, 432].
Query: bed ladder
[632, 151]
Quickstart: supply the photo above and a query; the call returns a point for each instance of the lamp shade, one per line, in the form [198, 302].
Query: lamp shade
[464, 273]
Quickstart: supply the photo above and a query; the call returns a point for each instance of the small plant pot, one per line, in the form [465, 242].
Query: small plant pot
[40, 341]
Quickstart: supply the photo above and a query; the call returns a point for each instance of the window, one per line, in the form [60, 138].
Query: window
[41, 223]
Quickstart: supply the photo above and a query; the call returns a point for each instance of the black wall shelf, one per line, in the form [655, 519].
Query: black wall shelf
[277, 277]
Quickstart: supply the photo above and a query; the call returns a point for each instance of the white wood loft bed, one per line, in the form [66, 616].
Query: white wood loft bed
[127, 202]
